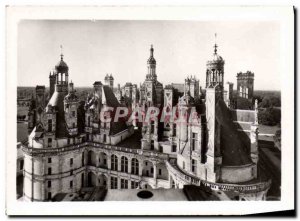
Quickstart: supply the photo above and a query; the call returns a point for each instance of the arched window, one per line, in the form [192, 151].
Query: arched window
[114, 162]
[124, 164]
[135, 166]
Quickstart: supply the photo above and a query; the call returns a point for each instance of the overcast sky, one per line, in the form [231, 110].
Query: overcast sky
[93, 48]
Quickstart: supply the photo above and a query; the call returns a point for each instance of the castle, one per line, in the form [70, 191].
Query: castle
[205, 142]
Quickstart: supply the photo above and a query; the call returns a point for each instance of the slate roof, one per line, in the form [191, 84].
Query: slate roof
[234, 150]
[57, 101]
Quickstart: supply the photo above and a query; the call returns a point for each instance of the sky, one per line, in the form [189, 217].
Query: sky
[181, 48]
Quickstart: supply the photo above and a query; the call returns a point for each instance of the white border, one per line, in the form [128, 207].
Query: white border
[284, 15]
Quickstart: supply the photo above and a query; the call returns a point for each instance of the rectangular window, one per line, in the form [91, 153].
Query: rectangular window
[71, 161]
[21, 164]
[152, 144]
[134, 185]
[49, 160]
[194, 166]
[194, 141]
[174, 130]
[173, 147]
[49, 171]
[151, 169]
[71, 184]
[114, 183]
[49, 183]
[49, 196]
[49, 142]
[124, 184]
[159, 172]
[49, 125]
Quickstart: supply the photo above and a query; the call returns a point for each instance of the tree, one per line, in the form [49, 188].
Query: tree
[270, 101]
[269, 116]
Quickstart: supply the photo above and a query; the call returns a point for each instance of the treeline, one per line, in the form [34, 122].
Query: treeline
[269, 105]
[269, 116]
[269, 108]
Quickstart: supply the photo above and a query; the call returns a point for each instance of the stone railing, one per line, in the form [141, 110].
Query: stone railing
[186, 179]
[60, 150]
[45, 151]
[242, 188]
[129, 176]
[146, 153]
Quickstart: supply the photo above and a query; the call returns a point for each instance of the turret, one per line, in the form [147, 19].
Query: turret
[151, 66]
[109, 81]
[215, 70]
[62, 75]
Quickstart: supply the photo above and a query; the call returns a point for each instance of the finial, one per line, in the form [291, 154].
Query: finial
[215, 46]
[61, 52]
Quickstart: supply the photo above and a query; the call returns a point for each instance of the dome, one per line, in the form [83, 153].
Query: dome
[61, 66]
[217, 57]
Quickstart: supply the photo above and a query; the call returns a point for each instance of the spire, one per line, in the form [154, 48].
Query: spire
[61, 52]
[215, 46]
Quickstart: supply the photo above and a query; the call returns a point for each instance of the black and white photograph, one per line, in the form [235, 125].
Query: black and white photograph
[120, 109]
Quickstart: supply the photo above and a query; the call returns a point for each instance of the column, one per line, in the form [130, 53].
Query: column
[97, 159]
[154, 170]
[108, 182]
[140, 167]
[129, 165]
[108, 161]
[119, 163]
[119, 183]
